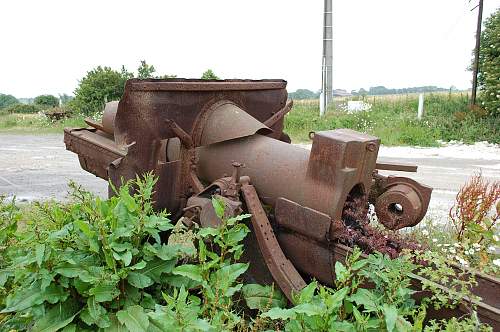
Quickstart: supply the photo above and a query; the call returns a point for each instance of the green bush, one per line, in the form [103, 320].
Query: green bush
[23, 108]
[45, 101]
[100, 85]
[7, 100]
[209, 75]
[117, 265]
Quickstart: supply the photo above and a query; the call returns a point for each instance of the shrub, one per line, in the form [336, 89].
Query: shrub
[118, 265]
[7, 100]
[209, 75]
[100, 85]
[23, 108]
[46, 101]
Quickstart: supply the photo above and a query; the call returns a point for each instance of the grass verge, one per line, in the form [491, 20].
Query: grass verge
[36, 123]
[394, 120]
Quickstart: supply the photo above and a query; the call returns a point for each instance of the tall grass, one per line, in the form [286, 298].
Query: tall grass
[393, 118]
[36, 123]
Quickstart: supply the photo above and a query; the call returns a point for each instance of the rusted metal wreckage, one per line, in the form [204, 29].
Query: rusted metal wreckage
[225, 138]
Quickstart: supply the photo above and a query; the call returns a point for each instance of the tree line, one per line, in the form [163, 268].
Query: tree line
[98, 86]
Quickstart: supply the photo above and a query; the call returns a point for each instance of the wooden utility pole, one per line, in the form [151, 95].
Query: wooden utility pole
[475, 69]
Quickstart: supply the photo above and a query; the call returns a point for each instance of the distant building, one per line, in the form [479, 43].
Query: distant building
[341, 93]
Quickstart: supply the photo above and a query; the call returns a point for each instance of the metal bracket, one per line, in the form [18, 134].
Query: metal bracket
[284, 273]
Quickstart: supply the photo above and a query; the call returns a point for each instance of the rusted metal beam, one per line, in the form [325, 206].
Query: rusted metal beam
[282, 270]
[396, 167]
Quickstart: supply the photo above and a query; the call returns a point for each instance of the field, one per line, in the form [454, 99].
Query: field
[393, 118]
[36, 123]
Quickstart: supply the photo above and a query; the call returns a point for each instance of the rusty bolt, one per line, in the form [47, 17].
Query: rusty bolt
[371, 147]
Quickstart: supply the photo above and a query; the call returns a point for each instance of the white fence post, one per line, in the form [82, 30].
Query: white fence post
[420, 113]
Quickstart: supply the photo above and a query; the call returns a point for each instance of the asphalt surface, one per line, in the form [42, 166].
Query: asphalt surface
[38, 167]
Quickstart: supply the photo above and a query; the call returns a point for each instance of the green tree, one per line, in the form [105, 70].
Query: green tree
[7, 100]
[303, 94]
[100, 85]
[145, 70]
[46, 101]
[209, 75]
[489, 65]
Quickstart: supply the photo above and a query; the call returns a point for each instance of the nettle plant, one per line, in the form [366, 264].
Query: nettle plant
[98, 264]
[117, 265]
[351, 306]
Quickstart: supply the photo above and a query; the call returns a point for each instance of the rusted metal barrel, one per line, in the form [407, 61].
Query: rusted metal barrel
[276, 169]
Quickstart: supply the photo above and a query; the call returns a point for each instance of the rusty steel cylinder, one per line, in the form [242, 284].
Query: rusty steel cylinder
[276, 168]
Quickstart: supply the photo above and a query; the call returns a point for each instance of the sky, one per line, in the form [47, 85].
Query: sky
[47, 46]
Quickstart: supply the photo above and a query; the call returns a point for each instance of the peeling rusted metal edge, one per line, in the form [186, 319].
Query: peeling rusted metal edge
[197, 85]
[70, 133]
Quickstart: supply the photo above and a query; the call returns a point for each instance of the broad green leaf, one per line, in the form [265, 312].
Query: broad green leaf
[156, 267]
[366, 298]
[54, 293]
[278, 313]
[119, 247]
[94, 308]
[139, 280]
[115, 325]
[343, 326]
[236, 234]
[339, 296]
[206, 231]
[23, 299]
[229, 273]
[263, 297]
[104, 293]
[161, 223]
[122, 214]
[307, 293]
[57, 317]
[390, 316]
[97, 313]
[60, 234]
[237, 218]
[69, 328]
[341, 272]
[4, 275]
[69, 270]
[134, 318]
[190, 271]
[138, 266]
[84, 227]
[309, 309]
[39, 253]
[359, 264]
[219, 206]
[171, 251]
[125, 257]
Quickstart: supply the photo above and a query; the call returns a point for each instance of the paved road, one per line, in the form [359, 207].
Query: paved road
[37, 167]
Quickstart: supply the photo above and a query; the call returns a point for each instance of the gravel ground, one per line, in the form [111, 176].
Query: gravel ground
[38, 167]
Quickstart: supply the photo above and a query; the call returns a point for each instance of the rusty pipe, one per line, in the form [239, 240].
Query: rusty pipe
[277, 169]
